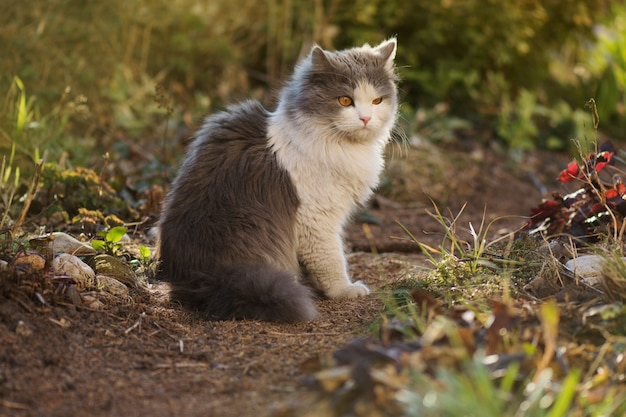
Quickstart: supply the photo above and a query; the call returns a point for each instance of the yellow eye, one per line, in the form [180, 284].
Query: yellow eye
[345, 101]
[377, 100]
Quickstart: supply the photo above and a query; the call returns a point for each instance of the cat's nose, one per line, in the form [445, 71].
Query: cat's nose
[365, 119]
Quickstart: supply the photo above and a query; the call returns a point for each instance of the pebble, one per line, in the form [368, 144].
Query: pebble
[588, 267]
[81, 273]
[64, 243]
[112, 286]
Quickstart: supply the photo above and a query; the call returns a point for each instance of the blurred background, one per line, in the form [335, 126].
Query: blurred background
[131, 79]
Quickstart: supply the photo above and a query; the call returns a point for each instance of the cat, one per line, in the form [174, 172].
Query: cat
[255, 218]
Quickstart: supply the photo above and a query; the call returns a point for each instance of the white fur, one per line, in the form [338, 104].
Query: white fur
[334, 168]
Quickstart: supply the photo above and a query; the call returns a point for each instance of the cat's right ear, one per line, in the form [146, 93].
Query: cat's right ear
[319, 60]
[387, 51]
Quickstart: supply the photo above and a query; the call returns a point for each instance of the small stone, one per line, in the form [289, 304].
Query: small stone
[33, 262]
[113, 267]
[588, 267]
[64, 243]
[81, 273]
[92, 302]
[112, 285]
[22, 329]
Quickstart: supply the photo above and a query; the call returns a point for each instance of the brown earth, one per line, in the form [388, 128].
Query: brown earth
[147, 356]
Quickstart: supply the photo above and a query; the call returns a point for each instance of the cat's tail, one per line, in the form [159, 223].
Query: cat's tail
[259, 292]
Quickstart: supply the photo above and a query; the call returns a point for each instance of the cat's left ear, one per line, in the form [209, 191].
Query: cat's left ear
[319, 59]
[387, 50]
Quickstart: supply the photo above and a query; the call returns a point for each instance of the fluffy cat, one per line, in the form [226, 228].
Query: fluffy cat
[261, 200]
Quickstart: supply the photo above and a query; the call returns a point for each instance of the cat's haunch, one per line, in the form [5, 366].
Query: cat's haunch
[255, 218]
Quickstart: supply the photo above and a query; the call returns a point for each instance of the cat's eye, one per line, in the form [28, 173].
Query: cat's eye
[377, 100]
[345, 101]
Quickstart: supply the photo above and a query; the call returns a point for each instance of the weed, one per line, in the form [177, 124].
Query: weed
[110, 242]
[467, 270]
[8, 185]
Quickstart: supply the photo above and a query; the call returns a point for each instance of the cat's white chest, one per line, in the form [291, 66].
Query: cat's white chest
[330, 176]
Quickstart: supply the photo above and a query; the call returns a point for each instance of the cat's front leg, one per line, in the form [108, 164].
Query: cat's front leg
[325, 264]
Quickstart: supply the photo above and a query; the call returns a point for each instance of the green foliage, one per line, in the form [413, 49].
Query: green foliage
[527, 124]
[93, 66]
[607, 68]
[144, 255]
[515, 124]
[472, 53]
[110, 242]
[36, 133]
[9, 183]
[474, 392]
[464, 270]
[99, 47]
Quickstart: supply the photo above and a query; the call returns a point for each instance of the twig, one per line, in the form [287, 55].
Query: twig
[136, 325]
[302, 334]
[182, 365]
[22, 303]
[13, 405]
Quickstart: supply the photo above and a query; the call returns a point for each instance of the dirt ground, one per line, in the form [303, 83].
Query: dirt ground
[147, 356]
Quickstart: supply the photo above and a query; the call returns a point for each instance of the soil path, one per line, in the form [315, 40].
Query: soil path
[152, 358]
[147, 356]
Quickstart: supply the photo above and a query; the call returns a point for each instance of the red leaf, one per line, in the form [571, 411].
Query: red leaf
[611, 194]
[546, 209]
[571, 173]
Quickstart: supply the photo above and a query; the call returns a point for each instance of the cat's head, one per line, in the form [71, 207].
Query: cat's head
[351, 94]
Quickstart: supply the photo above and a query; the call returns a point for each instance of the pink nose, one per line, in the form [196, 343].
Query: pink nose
[365, 119]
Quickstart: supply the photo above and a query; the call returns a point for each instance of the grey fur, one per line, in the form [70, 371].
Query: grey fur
[227, 231]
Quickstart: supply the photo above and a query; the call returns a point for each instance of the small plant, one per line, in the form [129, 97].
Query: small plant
[475, 392]
[35, 133]
[466, 269]
[474, 254]
[145, 254]
[143, 260]
[110, 242]
[9, 182]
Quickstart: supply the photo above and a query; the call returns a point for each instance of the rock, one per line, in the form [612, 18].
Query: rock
[588, 267]
[64, 243]
[112, 285]
[72, 293]
[81, 273]
[92, 302]
[113, 267]
[30, 262]
[152, 234]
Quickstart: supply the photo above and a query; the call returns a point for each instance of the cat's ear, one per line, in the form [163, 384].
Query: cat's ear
[319, 59]
[387, 50]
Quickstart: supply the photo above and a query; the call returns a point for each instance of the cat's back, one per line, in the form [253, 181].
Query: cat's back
[229, 188]
[229, 148]
[243, 125]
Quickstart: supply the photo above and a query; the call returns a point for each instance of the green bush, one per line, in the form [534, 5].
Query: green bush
[607, 70]
[472, 55]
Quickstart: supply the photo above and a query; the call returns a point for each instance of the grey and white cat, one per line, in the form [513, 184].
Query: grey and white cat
[261, 200]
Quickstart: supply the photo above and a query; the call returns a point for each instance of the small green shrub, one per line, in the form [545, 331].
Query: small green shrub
[110, 241]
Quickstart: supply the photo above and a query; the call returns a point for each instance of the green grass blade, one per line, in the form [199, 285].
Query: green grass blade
[562, 404]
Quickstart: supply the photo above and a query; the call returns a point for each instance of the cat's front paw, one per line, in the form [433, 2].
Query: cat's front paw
[353, 290]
